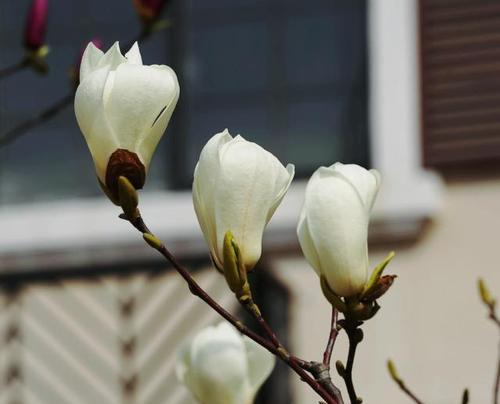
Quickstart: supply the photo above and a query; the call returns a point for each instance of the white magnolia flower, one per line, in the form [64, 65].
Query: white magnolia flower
[123, 108]
[220, 366]
[237, 187]
[333, 227]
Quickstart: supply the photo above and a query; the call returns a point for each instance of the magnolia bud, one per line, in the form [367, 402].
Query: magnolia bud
[36, 25]
[333, 227]
[123, 108]
[221, 366]
[237, 187]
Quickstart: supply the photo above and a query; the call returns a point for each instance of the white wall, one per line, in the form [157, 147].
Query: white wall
[431, 322]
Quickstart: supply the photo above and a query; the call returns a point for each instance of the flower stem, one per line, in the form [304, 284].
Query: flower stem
[355, 336]
[327, 356]
[497, 381]
[492, 315]
[198, 291]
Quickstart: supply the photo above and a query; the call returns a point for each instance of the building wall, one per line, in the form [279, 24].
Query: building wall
[432, 323]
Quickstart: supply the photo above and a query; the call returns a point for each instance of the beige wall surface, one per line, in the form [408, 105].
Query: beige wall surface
[432, 323]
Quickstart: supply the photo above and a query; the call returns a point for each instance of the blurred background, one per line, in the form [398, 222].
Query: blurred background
[88, 314]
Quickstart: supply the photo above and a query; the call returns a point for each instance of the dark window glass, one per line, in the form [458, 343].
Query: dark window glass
[288, 74]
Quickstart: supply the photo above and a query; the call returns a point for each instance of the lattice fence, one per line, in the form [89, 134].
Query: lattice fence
[108, 339]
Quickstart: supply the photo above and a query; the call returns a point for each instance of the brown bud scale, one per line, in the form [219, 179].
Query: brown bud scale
[127, 164]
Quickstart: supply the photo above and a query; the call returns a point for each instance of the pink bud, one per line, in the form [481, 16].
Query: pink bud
[36, 24]
[149, 10]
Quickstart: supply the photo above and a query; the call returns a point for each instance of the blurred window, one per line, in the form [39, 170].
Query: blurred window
[289, 75]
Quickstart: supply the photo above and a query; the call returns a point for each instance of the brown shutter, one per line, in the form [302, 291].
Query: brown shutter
[460, 55]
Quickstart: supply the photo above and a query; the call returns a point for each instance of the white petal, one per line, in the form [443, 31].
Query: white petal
[112, 58]
[281, 187]
[90, 60]
[140, 104]
[134, 55]
[89, 111]
[219, 366]
[260, 364]
[306, 243]
[205, 176]
[249, 185]
[365, 182]
[338, 225]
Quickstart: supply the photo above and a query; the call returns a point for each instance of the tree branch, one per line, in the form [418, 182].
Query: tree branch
[198, 291]
[400, 382]
[354, 340]
[10, 70]
[36, 120]
[327, 356]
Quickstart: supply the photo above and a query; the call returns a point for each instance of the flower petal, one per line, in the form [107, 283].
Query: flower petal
[249, 184]
[365, 182]
[90, 60]
[139, 97]
[338, 226]
[134, 55]
[89, 111]
[306, 243]
[219, 366]
[112, 58]
[205, 174]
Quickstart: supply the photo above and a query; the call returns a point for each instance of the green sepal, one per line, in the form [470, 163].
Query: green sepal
[128, 197]
[231, 270]
[376, 275]
[330, 295]
[234, 270]
[380, 288]
[485, 293]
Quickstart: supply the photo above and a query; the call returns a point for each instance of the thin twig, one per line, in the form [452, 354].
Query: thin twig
[497, 381]
[408, 392]
[198, 291]
[493, 317]
[355, 336]
[327, 356]
[400, 382]
[255, 312]
[348, 376]
[496, 387]
[10, 70]
[36, 120]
